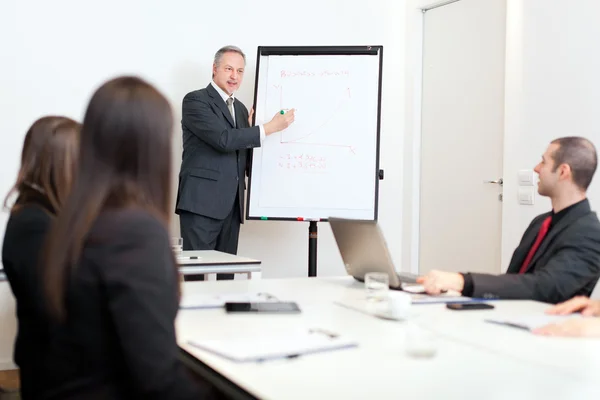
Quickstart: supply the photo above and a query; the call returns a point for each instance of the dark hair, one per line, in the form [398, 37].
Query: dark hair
[579, 154]
[125, 161]
[48, 161]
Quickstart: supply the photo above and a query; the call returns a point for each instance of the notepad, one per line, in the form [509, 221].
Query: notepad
[273, 347]
[198, 300]
[531, 322]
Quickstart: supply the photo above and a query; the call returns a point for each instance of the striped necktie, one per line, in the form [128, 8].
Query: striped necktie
[230, 107]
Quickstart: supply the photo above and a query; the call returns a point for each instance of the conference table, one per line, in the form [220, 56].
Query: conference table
[473, 358]
[191, 264]
[200, 262]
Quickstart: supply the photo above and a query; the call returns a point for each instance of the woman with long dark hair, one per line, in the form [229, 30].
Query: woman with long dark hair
[48, 162]
[111, 279]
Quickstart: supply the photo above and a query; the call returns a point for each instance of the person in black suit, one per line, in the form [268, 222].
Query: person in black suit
[217, 138]
[559, 254]
[110, 277]
[48, 161]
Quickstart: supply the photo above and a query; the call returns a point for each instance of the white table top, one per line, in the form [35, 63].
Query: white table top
[213, 257]
[474, 360]
[207, 262]
[218, 269]
[194, 262]
[578, 357]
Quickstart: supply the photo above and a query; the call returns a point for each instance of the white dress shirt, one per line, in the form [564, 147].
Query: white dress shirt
[225, 96]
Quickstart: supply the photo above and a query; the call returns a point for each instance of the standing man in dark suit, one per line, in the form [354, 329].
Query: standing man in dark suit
[559, 254]
[217, 138]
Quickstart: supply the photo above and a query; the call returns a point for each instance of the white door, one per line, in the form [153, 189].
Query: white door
[462, 136]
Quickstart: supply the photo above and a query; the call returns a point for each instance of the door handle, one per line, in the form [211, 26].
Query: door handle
[497, 181]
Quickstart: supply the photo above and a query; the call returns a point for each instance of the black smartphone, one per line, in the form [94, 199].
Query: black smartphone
[469, 306]
[280, 307]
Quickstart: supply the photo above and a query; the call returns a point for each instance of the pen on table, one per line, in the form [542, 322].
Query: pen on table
[325, 332]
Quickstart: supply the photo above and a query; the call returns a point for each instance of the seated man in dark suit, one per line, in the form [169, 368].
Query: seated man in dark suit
[559, 254]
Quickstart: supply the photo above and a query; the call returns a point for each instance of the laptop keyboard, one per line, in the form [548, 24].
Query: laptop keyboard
[406, 277]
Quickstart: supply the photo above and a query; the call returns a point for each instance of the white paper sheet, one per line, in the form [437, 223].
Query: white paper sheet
[530, 322]
[271, 347]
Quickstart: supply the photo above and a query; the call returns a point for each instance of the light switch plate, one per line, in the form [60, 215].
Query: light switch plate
[526, 177]
[526, 195]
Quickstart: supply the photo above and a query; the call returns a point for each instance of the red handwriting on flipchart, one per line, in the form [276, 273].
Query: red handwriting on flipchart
[335, 73]
[309, 74]
[302, 162]
[296, 74]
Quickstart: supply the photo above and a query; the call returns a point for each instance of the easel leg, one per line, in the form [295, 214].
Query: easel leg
[312, 248]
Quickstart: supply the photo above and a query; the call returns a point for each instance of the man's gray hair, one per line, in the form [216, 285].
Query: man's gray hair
[228, 49]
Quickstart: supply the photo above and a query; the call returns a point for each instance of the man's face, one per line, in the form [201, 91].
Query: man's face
[547, 173]
[228, 75]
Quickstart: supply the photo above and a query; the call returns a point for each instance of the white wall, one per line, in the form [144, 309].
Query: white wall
[8, 161]
[55, 54]
[65, 49]
[8, 326]
[552, 90]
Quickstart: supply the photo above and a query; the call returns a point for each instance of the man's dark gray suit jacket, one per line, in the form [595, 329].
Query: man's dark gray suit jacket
[215, 154]
[566, 264]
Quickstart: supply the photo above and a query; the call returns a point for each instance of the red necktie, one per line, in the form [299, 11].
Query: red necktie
[541, 234]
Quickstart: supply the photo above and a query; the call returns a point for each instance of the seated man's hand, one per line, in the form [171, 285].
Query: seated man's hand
[586, 306]
[436, 282]
[575, 327]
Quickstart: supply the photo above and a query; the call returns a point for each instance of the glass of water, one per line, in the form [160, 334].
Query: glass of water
[177, 245]
[420, 342]
[377, 285]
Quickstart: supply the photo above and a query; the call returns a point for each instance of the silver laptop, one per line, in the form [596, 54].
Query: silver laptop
[363, 249]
